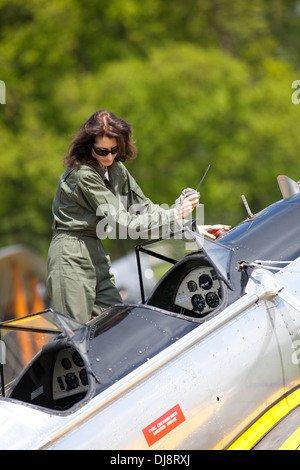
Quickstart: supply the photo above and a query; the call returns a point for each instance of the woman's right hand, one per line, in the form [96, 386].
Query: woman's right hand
[187, 206]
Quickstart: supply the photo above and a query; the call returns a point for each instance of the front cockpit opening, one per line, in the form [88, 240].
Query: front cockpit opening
[191, 288]
[194, 283]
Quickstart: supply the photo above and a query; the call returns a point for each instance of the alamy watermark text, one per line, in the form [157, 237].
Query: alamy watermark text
[2, 92]
[296, 94]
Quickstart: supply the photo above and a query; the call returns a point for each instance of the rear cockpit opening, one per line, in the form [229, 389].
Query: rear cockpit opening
[45, 363]
[56, 379]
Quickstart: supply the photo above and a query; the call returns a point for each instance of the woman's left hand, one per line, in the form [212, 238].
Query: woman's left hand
[211, 231]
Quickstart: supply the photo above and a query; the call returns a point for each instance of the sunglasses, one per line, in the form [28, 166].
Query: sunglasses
[104, 152]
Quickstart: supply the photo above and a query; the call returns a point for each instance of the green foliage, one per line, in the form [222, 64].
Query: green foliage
[201, 81]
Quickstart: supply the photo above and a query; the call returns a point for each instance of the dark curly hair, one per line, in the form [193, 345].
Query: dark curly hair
[101, 124]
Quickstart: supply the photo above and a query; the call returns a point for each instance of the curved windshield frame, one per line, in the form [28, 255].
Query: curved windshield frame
[23, 338]
[180, 244]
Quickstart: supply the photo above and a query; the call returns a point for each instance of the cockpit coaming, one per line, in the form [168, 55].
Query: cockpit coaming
[83, 360]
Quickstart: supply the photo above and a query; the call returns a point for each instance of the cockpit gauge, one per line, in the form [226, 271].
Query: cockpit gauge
[205, 282]
[198, 302]
[192, 286]
[77, 359]
[72, 381]
[212, 299]
[66, 363]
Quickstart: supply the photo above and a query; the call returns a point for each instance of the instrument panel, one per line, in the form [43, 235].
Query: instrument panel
[69, 376]
[199, 291]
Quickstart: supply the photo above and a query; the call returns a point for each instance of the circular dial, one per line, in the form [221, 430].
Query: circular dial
[77, 359]
[205, 282]
[71, 381]
[198, 302]
[66, 363]
[192, 286]
[212, 299]
[83, 377]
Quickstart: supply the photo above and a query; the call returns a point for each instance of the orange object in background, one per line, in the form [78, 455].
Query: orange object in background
[21, 310]
[22, 292]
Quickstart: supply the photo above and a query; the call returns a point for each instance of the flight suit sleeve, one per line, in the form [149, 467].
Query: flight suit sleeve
[127, 214]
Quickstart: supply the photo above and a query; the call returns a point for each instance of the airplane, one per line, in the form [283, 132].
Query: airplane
[198, 364]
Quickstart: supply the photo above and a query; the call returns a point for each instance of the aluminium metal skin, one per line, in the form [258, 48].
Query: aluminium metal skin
[212, 348]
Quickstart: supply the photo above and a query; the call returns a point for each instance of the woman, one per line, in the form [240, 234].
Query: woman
[95, 189]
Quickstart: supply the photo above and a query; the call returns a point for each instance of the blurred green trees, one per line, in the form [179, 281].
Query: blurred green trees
[201, 81]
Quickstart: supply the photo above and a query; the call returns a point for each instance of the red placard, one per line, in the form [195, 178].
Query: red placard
[163, 425]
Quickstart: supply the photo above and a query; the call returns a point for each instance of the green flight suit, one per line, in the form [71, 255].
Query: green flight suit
[79, 279]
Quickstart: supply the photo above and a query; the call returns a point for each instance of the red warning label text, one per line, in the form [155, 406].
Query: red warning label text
[163, 425]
